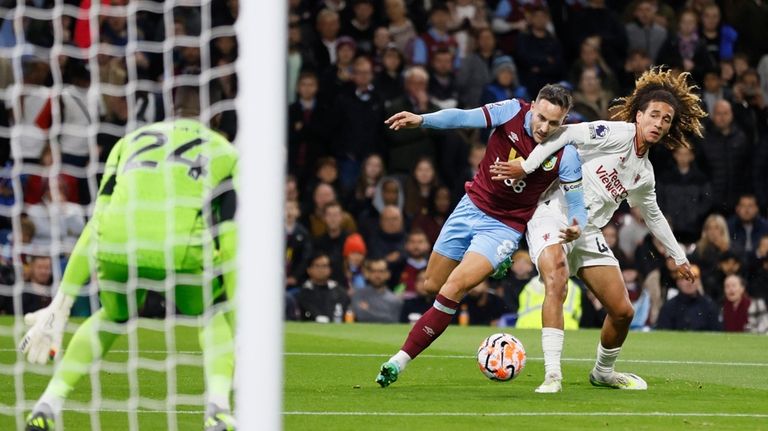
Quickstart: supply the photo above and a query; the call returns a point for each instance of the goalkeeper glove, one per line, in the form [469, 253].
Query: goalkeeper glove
[43, 340]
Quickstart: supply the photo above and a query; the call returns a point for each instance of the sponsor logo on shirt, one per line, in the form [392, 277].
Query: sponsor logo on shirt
[612, 184]
[598, 131]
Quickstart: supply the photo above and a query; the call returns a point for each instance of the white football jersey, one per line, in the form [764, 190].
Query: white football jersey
[612, 171]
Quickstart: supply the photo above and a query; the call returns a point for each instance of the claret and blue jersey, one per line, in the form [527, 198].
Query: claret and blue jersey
[503, 207]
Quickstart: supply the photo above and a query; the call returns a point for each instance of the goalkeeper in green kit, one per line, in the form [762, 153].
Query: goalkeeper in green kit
[164, 219]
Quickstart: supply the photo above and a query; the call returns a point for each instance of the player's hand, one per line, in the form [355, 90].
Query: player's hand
[404, 120]
[571, 233]
[43, 341]
[684, 271]
[511, 170]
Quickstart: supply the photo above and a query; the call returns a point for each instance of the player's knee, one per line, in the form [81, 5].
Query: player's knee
[431, 286]
[556, 283]
[623, 313]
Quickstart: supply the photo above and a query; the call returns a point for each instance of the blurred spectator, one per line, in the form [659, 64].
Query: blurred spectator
[361, 26]
[591, 58]
[611, 236]
[483, 306]
[664, 14]
[644, 32]
[725, 156]
[539, 53]
[532, 299]
[324, 49]
[728, 264]
[381, 41]
[442, 81]
[307, 132]
[509, 20]
[406, 146]
[476, 69]
[298, 246]
[749, 106]
[34, 115]
[354, 252]
[632, 232]
[690, 310]
[684, 195]
[762, 70]
[37, 291]
[300, 58]
[321, 196]
[375, 303]
[521, 273]
[719, 38]
[361, 198]
[640, 298]
[358, 122]
[321, 299]
[467, 16]
[598, 20]
[685, 49]
[758, 285]
[401, 29]
[56, 220]
[746, 227]
[715, 240]
[332, 242]
[505, 84]
[420, 187]
[637, 62]
[389, 81]
[650, 255]
[388, 192]
[291, 188]
[326, 172]
[38, 186]
[591, 100]
[75, 116]
[438, 209]
[741, 313]
[417, 250]
[414, 307]
[592, 311]
[713, 89]
[388, 241]
[750, 18]
[437, 37]
[337, 77]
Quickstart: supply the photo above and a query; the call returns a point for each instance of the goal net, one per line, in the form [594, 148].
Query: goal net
[75, 77]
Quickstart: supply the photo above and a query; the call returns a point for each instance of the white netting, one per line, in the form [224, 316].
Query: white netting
[75, 76]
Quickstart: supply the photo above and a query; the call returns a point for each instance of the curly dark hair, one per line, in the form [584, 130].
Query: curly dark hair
[659, 85]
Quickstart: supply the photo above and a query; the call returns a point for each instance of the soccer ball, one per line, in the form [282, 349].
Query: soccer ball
[501, 357]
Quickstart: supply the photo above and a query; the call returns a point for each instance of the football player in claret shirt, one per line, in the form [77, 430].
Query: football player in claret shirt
[486, 226]
[164, 217]
[662, 109]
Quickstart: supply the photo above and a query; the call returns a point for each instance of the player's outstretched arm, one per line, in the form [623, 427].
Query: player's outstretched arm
[487, 116]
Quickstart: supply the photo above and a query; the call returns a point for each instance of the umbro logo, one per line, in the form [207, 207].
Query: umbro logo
[622, 159]
[429, 331]
[637, 178]
[513, 137]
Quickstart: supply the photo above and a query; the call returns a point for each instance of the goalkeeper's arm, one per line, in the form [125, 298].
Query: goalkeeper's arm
[43, 340]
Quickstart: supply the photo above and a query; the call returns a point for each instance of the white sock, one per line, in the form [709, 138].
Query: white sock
[222, 402]
[606, 358]
[56, 403]
[401, 359]
[552, 345]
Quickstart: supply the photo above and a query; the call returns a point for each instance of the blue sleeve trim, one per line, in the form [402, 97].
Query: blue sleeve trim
[570, 177]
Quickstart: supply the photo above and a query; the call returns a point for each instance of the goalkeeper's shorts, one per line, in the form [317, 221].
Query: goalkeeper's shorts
[190, 292]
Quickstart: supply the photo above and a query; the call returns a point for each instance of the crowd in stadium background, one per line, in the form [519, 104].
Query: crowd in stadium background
[357, 191]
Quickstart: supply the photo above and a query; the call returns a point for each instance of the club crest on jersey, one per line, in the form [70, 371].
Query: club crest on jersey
[637, 178]
[513, 137]
[598, 131]
[549, 164]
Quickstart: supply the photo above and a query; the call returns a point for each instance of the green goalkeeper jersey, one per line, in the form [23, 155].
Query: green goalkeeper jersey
[166, 199]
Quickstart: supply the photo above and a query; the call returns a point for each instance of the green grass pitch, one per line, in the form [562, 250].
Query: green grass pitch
[697, 381]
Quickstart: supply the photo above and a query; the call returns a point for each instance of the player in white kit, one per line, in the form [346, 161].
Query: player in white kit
[615, 166]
